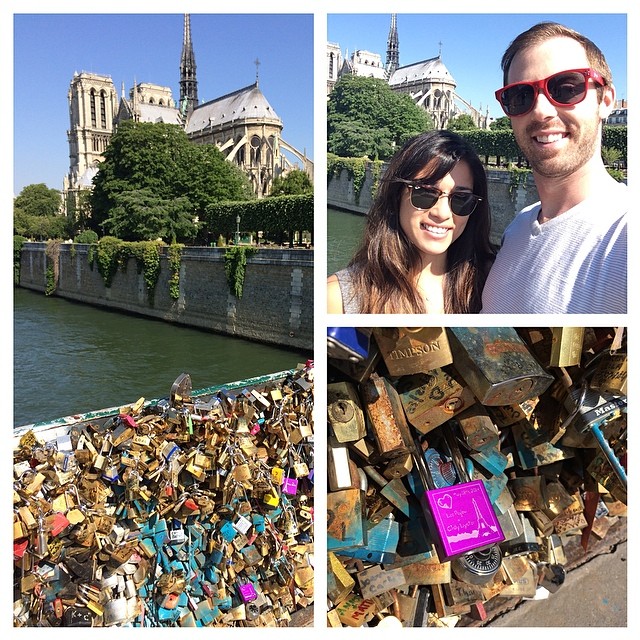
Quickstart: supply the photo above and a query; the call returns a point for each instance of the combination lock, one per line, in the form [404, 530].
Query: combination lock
[478, 567]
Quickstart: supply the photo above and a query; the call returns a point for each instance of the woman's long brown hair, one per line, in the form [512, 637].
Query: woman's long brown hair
[386, 266]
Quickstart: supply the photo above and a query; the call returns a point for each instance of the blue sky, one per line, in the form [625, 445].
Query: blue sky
[146, 48]
[473, 44]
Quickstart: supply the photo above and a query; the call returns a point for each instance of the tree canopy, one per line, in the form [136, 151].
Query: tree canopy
[503, 122]
[463, 122]
[154, 182]
[38, 200]
[365, 117]
[295, 183]
[35, 213]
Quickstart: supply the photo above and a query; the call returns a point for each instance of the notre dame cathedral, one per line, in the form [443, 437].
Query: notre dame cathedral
[242, 124]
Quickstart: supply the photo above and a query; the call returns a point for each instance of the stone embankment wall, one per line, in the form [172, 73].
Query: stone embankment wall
[505, 200]
[276, 306]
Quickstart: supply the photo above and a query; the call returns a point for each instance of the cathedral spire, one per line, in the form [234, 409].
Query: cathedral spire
[393, 47]
[188, 82]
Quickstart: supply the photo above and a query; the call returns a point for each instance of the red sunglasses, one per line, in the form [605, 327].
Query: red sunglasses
[562, 89]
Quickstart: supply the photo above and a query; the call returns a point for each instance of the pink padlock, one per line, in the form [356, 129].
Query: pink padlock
[248, 592]
[290, 486]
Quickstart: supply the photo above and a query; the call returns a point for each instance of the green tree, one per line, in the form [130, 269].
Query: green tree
[295, 183]
[38, 200]
[463, 122]
[504, 122]
[152, 169]
[141, 215]
[366, 118]
[610, 155]
[36, 213]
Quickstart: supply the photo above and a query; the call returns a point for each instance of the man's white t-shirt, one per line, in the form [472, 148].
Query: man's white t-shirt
[574, 263]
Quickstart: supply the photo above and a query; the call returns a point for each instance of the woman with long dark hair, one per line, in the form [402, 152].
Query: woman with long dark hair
[426, 244]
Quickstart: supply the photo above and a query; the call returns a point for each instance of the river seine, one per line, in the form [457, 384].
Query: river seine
[344, 232]
[71, 358]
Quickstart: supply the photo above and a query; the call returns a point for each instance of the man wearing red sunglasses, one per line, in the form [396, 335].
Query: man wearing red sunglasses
[568, 252]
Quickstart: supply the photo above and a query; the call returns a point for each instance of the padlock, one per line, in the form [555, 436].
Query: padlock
[460, 516]
[593, 411]
[375, 580]
[477, 429]
[387, 419]
[398, 466]
[478, 567]
[290, 486]
[413, 350]
[496, 365]
[339, 467]
[524, 544]
[552, 577]
[345, 412]
[75, 616]
[430, 399]
[339, 582]
[345, 520]
[610, 374]
[392, 490]
[382, 543]
[246, 590]
[356, 370]
[566, 346]
[524, 582]
[300, 469]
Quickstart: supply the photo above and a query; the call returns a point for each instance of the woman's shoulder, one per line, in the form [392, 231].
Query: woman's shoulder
[334, 295]
[341, 296]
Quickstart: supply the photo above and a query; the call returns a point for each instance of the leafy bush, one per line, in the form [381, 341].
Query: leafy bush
[86, 237]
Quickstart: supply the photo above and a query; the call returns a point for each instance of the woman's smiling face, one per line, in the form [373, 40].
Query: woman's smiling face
[432, 231]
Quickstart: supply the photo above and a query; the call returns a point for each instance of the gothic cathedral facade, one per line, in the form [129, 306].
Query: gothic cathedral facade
[242, 124]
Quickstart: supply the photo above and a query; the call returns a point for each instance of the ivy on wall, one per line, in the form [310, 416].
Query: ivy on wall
[52, 253]
[111, 254]
[18, 241]
[174, 254]
[235, 263]
[518, 177]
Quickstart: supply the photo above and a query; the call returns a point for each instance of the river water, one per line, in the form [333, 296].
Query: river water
[72, 358]
[344, 232]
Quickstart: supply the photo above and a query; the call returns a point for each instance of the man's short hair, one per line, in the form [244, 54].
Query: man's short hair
[544, 31]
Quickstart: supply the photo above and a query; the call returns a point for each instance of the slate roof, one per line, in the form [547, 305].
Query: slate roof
[246, 103]
[158, 113]
[432, 69]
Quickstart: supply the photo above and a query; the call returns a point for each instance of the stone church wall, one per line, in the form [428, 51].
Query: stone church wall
[276, 306]
[505, 201]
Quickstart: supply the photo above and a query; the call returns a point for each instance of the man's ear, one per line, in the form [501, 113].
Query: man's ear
[608, 101]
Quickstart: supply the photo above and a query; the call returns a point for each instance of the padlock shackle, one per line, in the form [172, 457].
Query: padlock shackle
[418, 460]
[454, 452]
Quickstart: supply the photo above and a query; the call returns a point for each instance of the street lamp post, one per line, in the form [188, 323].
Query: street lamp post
[237, 230]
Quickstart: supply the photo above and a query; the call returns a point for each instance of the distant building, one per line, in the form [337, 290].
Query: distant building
[619, 114]
[242, 124]
[428, 82]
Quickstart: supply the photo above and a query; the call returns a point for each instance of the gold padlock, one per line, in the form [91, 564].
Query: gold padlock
[345, 412]
[413, 350]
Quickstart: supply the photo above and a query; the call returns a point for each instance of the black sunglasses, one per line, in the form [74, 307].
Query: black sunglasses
[562, 89]
[424, 197]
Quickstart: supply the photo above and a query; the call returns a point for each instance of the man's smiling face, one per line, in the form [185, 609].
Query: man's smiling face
[557, 141]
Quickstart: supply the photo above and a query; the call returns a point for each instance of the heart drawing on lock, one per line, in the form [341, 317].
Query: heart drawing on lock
[445, 501]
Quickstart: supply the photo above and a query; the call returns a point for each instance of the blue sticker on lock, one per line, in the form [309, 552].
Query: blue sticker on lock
[228, 531]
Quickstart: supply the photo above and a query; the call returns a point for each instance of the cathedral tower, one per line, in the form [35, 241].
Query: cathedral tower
[92, 105]
[393, 48]
[188, 82]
